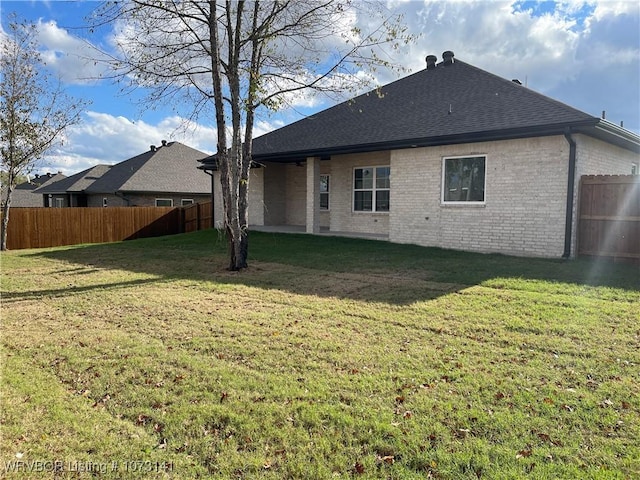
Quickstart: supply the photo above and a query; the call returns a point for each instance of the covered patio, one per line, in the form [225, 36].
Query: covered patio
[323, 231]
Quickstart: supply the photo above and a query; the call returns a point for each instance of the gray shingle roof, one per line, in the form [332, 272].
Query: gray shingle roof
[451, 103]
[25, 194]
[47, 179]
[171, 168]
[75, 183]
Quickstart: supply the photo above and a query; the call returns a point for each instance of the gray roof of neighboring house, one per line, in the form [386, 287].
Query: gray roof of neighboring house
[25, 194]
[169, 168]
[451, 102]
[47, 179]
[77, 183]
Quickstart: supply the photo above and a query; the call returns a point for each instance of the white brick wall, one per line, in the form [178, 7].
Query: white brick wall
[524, 205]
[525, 196]
[343, 218]
[599, 158]
[296, 194]
[256, 195]
[274, 179]
[594, 157]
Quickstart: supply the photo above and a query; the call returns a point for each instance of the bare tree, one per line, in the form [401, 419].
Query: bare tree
[35, 110]
[232, 58]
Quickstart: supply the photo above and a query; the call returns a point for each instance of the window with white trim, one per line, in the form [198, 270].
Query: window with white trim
[463, 179]
[59, 202]
[164, 202]
[186, 201]
[324, 192]
[371, 189]
[634, 169]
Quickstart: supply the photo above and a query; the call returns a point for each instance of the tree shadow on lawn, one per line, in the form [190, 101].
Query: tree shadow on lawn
[340, 267]
[12, 297]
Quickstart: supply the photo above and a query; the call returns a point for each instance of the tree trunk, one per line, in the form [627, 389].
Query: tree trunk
[238, 183]
[4, 228]
[5, 218]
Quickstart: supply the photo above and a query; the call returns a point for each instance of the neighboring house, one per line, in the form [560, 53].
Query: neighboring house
[70, 191]
[24, 194]
[162, 176]
[451, 156]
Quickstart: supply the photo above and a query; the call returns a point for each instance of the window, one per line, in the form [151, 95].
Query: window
[371, 188]
[186, 201]
[164, 202]
[324, 192]
[634, 169]
[104, 202]
[463, 179]
[59, 202]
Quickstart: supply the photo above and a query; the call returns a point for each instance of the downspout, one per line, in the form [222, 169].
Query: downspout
[571, 183]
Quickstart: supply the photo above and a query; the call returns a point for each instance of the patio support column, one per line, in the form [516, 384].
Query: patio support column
[313, 195]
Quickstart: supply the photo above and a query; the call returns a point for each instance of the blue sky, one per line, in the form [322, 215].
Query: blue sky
[583, 53]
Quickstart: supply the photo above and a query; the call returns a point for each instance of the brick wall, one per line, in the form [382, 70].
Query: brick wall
[524, 207]
[343, 218]
[594, 157]
[274, 198]
[525, 195]
[256, 194]
[143, 200]
[296, 194]
[112, 201]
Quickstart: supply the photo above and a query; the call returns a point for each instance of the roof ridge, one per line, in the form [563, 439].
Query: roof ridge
[527, 89]
[453, 102]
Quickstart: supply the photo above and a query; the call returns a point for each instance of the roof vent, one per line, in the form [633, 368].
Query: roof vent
[431, 62]
[164, 143]
[516, 81]
[448, 57]
[153, 148]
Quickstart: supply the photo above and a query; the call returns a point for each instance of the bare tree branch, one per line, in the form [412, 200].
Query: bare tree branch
[35, 112]
[236, 57]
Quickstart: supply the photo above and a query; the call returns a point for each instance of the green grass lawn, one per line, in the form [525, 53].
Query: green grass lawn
[327, 358]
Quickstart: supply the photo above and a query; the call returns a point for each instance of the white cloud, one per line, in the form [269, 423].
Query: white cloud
[70, 57]
[105, 138]
[612, 8]
[108, 139]
[497, 37]
[563, 49]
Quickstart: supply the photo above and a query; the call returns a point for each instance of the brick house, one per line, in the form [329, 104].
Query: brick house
[165, 175]
[451, 156]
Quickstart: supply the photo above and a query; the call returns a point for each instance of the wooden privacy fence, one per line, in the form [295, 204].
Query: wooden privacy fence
[197, 217]
[609, 217]
[52, 227]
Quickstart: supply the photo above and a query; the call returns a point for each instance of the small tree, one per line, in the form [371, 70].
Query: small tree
[231, 58]
[35, 110]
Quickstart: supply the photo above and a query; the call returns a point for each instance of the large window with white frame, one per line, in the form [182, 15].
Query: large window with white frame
[164, 202]
[464, 179]
[186, 201]
[325, 188]
[371, 189]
